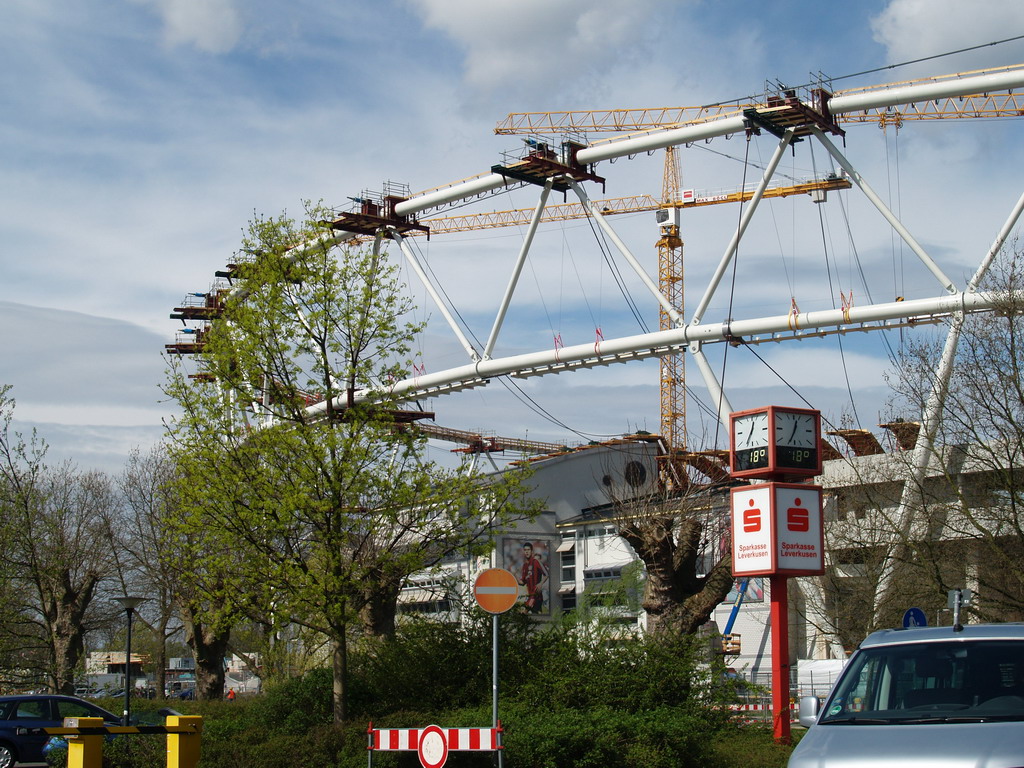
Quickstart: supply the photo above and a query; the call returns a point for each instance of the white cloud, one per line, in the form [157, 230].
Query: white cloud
[912, 29]
[132, 166]
[90, 415]
[212, 26]
[509, 43]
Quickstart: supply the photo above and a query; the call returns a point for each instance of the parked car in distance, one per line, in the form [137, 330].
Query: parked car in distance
[39, 711]
[937, 697]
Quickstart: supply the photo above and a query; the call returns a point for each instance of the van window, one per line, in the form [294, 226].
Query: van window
[897, 683]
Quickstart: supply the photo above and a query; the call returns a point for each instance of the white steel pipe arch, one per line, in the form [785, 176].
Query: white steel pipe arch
[608, 150]
[648, 345]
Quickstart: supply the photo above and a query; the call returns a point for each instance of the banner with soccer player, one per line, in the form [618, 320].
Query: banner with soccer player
[529, 560]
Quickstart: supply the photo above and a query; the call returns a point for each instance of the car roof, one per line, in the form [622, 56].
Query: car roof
[56, 696]
[1008, 631]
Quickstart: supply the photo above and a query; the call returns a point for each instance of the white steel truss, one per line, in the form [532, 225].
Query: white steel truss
[952, 302]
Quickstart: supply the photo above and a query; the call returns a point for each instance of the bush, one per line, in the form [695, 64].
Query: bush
[666, 737]
[295, 705]
[572, 695]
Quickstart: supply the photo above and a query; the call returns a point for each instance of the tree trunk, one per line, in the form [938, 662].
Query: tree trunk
[676, 599]
[209, 648]
[160, 682]
[339, 661]
[64, 620]
[380, 606]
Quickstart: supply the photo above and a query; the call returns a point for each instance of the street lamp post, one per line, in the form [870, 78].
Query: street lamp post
[129, 603]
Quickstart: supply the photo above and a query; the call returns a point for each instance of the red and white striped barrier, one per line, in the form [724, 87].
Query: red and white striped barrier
[761, 708]
[432, 742]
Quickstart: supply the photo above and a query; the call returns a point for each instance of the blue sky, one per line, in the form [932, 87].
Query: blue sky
[137, 138]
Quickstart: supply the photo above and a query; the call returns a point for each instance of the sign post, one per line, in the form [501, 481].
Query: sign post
[777, 532]
[496, 591]
[777, 526]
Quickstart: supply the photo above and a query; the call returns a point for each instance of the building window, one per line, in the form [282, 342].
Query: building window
[567, 562]
[603, 584]
[429, 607]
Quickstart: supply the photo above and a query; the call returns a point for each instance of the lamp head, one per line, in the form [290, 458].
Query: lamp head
[130, 603]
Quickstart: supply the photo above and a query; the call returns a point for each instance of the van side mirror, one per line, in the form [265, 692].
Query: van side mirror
[809, 706]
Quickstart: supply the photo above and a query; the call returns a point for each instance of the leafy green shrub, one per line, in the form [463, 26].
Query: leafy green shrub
[751, 747]
[320, 746]
[631, 674]
[602, 737]
[295, 705]
[425, 647]
[572, 694]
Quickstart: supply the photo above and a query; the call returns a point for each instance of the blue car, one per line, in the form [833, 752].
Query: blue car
[39, 711]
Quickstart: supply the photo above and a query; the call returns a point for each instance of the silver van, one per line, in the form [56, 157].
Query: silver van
[922, 698]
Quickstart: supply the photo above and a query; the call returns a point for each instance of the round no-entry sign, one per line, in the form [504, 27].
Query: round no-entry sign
[496, 590]
[433, 747]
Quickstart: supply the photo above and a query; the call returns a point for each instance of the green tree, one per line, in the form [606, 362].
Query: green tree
[316, 515]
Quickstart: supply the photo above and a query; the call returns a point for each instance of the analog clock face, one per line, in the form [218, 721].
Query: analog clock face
[750, 441]
[796, 441]
[795, 430]
[750, 431]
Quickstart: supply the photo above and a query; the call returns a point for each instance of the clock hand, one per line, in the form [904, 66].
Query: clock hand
[793, 435]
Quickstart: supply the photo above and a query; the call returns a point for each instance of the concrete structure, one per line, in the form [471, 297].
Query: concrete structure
[576, 539]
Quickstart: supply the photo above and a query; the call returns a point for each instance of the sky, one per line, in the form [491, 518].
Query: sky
[138, 137]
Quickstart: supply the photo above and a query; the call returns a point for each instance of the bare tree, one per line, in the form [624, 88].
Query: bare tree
[142, 548]
[56, 529]
[969, 530]
[904, 532]
[682, 536]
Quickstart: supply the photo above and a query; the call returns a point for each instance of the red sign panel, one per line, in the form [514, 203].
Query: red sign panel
[496, 590]
[777, 529]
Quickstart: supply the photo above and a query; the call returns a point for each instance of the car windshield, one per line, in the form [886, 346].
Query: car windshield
[981, 681]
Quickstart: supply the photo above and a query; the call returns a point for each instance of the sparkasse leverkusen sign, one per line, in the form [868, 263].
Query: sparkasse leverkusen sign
[777, 529]
[496, 590]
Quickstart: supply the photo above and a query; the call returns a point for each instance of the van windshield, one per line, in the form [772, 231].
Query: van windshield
[977, 681]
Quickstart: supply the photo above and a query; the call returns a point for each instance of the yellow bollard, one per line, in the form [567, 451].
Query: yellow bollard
[84, 751]
[182, 748]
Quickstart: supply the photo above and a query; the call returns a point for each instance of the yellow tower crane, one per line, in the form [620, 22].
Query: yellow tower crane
[670, 255]
[670, 275]
[670, 245]
[598, 121]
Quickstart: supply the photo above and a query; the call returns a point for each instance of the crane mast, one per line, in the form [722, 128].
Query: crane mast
[670, 279]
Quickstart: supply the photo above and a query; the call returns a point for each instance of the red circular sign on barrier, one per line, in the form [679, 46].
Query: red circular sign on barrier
[496, 590]
[432, 747]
